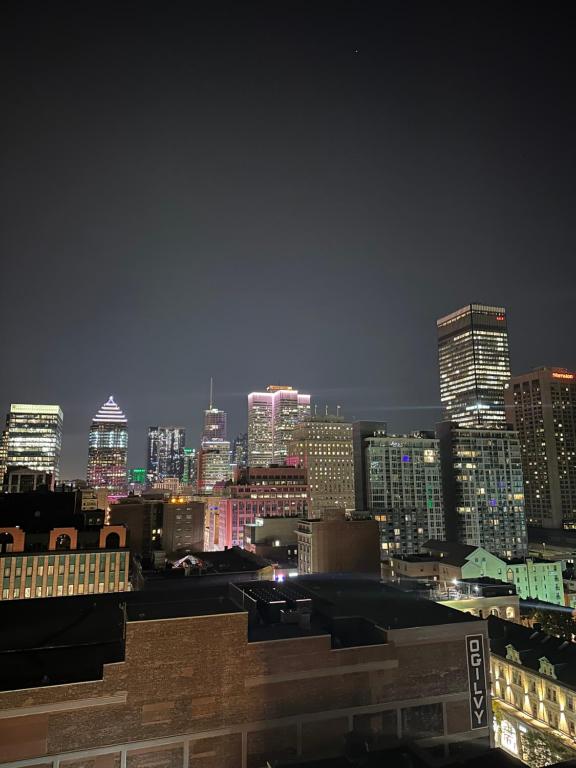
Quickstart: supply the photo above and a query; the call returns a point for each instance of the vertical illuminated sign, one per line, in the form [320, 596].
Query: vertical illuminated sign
[477, 681]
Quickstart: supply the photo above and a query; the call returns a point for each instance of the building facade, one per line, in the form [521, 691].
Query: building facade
[165, 453]
[272, 417]
[213, 464]
[108, 448]
[534, 692]
[404, 490]
[190, 466]
[225, 693]
[542, 407]
[70, 565]
[360, 431]
[323, 446]
[33, 439]
[265, 492]
[337, 544]
[534, 577]
[474, 365]
[483, 488]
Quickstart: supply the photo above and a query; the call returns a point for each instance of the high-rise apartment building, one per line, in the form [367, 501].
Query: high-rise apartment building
[272, 417]
[165, 453]
[33, 439]
[474, 365]
[323, 445]
[483, 488]
[108, 447]
[404, 490]
[360, 431]
[542, 407]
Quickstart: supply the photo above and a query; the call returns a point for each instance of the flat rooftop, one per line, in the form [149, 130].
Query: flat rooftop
[70, 639]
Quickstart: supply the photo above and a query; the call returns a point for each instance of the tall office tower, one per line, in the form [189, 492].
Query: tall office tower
[190, 466]
[360, 431]
[107, 450]
[213, 464]
[404, 490]
[323, 445]
[482, 485]
[214, 421]
[272, 417]
[33, 439]
[165, 453]
[240, 451]
[542, 407]
[474, 365]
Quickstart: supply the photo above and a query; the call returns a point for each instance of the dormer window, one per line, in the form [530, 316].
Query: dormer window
[512, 654]
[546, 668]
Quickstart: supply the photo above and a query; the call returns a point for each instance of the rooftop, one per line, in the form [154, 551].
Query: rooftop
[69, 639]
[532, 644]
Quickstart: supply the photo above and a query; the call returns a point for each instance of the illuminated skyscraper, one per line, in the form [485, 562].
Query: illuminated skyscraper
[108, 447]
[213, 464]
[33, 438]
[240, 451]
[190, 466]
[165, 453]
[323, 445]
[542, 406]
[474, 365]
[214, 421]
[272, 416]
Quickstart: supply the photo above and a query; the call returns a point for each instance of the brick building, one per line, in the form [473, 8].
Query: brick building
[205, 683]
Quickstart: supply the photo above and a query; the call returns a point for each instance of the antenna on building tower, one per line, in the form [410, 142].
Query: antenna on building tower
[338, 410]
[326, 409]
[211, 391]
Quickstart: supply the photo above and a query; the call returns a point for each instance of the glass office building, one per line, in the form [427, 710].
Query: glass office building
[33, 438]
[108, 448]
[474, 365]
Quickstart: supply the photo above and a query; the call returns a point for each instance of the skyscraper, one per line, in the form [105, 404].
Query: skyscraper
[542, 406]
[482, 488]
[213, 464]
[107, 450]
[323, 445]
[474, 365]
[165, 453]
[214, 420]
[272, 416]
[190, 466]
[33, 438]
[404, 490]
[240, 451]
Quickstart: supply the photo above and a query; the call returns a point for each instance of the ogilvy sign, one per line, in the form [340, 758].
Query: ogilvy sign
[477, 681]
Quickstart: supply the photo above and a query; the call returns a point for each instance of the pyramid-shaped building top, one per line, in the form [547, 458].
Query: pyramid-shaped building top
[110, 413]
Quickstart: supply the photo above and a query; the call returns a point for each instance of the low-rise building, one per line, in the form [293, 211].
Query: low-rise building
[338, 543]
[204, 681]
[533, 577]
[534, 687]
[275, 538]
[53, 554]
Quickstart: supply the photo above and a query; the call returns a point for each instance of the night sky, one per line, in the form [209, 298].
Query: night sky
[279, 193]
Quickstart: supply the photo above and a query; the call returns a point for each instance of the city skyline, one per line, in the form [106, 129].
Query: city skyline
[332, 189]
[401, 417]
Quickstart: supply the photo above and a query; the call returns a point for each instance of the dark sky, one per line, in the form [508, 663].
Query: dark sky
[277, 193]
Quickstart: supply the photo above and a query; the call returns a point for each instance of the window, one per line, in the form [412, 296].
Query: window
[423, 722]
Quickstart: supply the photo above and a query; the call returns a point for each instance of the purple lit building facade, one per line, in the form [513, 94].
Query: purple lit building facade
[108, 448]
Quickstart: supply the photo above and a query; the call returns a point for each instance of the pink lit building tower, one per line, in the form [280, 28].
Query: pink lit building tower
[272, 416]
[108, 448]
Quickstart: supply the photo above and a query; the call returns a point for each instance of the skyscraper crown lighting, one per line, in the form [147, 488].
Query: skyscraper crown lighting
[109, 412]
